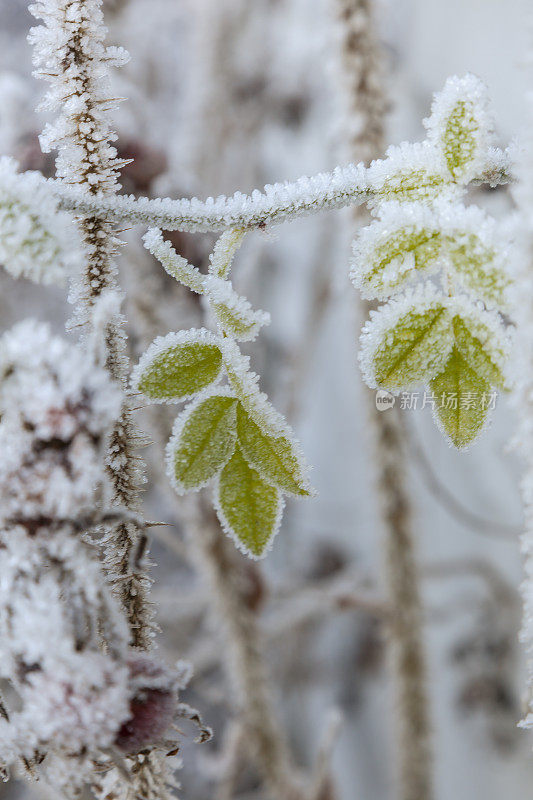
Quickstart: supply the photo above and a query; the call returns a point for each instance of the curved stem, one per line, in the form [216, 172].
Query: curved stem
[281, 202]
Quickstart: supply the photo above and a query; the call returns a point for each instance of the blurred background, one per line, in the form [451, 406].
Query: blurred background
[226, 95]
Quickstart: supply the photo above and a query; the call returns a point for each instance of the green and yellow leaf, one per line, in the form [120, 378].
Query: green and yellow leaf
[482, 345]
[202, 442]
[460, 127]
[177, 366]
[388, 255]
[249, 508]
[462, 400]
[277, 460]
[407, 342]
[477, 269]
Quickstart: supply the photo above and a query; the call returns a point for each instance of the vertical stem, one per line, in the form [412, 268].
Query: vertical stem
[78, 71]
[363, 60]
[407, 653]
[245, 662]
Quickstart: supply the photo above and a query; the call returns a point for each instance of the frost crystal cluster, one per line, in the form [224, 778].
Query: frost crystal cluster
[447, 331]
[229, 435]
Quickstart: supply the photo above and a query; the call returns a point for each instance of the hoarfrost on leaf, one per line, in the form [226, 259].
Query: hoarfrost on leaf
[202, 442]
[177, 366]
[249, 508]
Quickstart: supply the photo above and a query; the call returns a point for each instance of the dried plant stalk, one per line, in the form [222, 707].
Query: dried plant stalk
[363, 63]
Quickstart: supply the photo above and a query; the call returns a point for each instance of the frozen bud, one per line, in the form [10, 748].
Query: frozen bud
[153, 705]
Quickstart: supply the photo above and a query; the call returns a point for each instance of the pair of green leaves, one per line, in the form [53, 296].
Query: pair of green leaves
[215, 438]
[457, 348]
[410, 240]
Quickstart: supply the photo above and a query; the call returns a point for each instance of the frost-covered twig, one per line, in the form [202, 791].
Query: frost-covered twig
[282, 202]
[70, 53]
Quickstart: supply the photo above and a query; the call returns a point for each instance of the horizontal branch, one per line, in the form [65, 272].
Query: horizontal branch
[279, 202]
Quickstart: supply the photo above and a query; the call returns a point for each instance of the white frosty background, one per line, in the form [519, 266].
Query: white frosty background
[275, 115]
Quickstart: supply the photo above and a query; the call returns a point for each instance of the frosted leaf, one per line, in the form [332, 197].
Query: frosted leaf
[234, 314]
[411, 238]
[481, 340]
[477, 261]
[202, 441]
[407, 341]
[278, 460]
[244, 384]
[178, 365]
[462, 400]
[460, 126]
[404, 241]
[249, 509]
[175, 265]
[37, 241]
[224, 251]
[410, 172]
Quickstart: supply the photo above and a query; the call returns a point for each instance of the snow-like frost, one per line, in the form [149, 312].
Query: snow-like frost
[37, 240]
[175, 265]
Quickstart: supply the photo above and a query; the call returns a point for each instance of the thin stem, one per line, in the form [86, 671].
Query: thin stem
[363, 59]
[245, 662]
[282, 202]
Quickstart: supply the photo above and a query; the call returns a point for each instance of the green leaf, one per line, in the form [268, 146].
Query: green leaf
[396, 257]
[476, 268]
[414, 348]
[408, 186]
[237, 325]
[462, 400]
[460, 138]
[177, 366]
[203, 441]
[249, 509]
[478, 346]
[275, 459]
